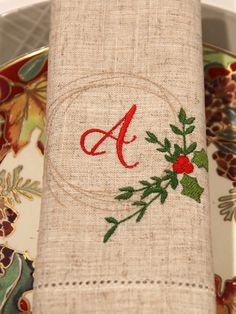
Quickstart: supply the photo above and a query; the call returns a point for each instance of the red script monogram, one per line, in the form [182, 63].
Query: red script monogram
[120, 140]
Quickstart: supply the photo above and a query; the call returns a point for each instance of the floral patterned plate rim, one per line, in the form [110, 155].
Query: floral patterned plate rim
[23, 83]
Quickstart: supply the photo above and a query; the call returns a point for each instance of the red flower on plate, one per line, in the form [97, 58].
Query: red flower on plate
[183, 165]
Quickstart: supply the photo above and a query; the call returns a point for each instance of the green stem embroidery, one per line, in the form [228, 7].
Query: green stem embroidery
[157, 188]
[184, 140]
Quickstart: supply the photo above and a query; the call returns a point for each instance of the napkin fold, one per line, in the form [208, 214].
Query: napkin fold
[125, 210]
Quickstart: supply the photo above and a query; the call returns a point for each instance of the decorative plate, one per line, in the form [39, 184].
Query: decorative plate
[220, 101]
[22, 124]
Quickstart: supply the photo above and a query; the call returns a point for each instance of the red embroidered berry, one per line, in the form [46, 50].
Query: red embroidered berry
[183, 165]
[177, 168]
[189, 168]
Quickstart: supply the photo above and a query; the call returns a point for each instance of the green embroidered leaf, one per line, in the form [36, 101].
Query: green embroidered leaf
[182, 116]
[127, 189]
[164, 195]
[17, 280]
[169, 158]
[141, 214]
[139, 203]
[111, 220]
[167, 144]
[124, 196]
[176, 130]
[157, 179]
[178, 151]
[157, 189]
[189, 120]
[191, 148]
[146, 193]
[109, 233]
[170, 172]
[143, 182]
[150, 190]
[191, 188]
[189, 130]
[151, 137]
[200, 159]
[174, 183]
[172, 176]
[162, 149]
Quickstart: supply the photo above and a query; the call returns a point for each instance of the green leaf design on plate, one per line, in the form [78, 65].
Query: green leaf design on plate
[191, 187]
[200, 159]
[32, 68]
[13, 185]
[16, 280]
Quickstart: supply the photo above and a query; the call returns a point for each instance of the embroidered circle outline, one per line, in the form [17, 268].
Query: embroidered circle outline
[75, 89]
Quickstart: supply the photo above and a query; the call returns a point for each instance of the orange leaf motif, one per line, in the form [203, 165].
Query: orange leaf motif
[25, 113]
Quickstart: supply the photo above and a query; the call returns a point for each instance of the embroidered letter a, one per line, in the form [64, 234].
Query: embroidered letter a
[120, 140]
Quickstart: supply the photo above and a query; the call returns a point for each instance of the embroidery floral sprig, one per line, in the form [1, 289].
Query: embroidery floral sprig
[182, 159]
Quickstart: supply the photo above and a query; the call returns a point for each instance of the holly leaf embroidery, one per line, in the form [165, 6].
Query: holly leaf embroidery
[176, 154]
[200, 159]
[191, 187]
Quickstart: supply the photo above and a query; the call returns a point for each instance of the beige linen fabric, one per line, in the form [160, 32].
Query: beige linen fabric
[105, 56]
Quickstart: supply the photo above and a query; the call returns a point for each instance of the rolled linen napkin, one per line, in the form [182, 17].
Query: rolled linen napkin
[125, 212]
